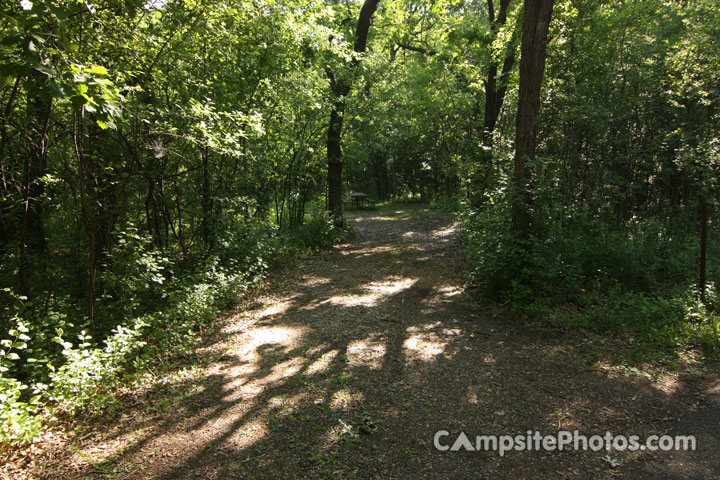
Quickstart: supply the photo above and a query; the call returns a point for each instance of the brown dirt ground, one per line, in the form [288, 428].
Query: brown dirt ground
[360, 353]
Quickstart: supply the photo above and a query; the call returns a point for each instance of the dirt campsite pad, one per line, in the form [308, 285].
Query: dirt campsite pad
[361, 353]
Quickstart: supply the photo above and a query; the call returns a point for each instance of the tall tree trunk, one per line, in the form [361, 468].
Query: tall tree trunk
[536, 22]
[206, 203]
[379, 163]
[494, 96]
[6, 204]
[340, 89]
[334, 154]
[32, 235]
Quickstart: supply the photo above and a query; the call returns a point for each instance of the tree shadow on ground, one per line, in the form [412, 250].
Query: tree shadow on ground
[362, 353]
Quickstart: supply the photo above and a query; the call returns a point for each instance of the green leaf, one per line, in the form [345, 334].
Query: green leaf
[97, 70]
[78, 101]
[11, 39]
[44, 69]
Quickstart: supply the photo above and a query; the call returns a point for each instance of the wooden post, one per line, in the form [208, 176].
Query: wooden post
[703, 247]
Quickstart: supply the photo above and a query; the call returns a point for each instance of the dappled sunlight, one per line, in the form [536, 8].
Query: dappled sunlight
[239, 372]
[380, 333]
[268, 309]
[424, 346]
[312, 281]
[439, 328]
[247, 435]
[449, 290]
[365, 252]
[667, 383]
[281, 371]
[277, 308]
[285, 338]
[474, 394]
[378, 292]
[391, 287]
[429, 341]
[287, 404]
[444, 233]
[322, 363]
[714, 389]
[368, 352]
[379, 217]
[344, 398]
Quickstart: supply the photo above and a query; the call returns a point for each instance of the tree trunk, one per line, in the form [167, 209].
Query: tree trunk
[340, 89]
[532, 66]
[494, 96]
[32, 236]
[703, 247]
[334, 154]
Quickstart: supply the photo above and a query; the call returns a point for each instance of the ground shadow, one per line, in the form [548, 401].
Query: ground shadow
[362, 353]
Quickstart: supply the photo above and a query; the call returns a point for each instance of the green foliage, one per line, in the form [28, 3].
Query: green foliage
[447, 204]
[82, 377]
[149, 176]
[659, 324]
[612, 280]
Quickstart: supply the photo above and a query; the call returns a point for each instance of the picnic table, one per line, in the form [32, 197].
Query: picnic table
[358, 198]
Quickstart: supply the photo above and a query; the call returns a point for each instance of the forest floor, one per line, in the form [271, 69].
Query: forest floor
[355, 357]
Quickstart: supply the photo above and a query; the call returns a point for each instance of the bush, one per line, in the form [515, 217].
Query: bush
[44, 375]
[613, 279]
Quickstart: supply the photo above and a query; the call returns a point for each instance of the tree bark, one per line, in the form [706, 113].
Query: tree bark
[703, 247]
[334, 150]
[494, 96]
[536, 22]
[32, 235]
[340, 89]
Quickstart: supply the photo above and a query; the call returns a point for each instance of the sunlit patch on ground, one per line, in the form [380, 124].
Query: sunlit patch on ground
[667, 383]
[248, 434]
[274, 309]
[474, 394]
[444, 233]
[424, 346]
[366, 252]
[368, 352]
[378, 291]
[312, 281]
[344, 398]
[282, 371]
[714, 388]
[285, 337]
[449, 290]
[322, 363]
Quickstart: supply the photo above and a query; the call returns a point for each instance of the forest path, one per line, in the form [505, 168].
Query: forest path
[360, 353]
